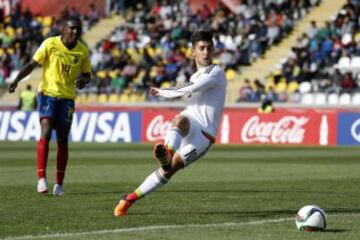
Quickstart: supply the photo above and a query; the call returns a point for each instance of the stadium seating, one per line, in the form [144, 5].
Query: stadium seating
[129, 61]
[345, 99]
[355, 100]
[305, 87]
[320, 98]
[307, 99]
[164, 53]
[19, 39]
[333, 99]
[344, 64]
[355, 64]
[315, 58]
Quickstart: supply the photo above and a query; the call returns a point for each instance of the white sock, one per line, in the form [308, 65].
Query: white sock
[151, 183]
[173, 138]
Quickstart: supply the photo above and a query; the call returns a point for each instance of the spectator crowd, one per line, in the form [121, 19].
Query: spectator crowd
[21, 33]
[325, 59]
[152, 48]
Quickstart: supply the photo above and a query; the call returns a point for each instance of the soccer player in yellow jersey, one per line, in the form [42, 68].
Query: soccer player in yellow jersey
[66, 65]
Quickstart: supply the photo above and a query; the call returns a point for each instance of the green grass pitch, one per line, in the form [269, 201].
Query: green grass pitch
[234, 192]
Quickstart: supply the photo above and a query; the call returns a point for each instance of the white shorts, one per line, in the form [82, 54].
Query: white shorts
[194, 145]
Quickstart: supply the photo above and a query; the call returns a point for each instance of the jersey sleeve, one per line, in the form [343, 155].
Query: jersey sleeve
[42, 52]
[86, 65]
[205, 81]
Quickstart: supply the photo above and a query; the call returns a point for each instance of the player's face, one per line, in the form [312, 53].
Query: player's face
[72, 31]
[203, 53]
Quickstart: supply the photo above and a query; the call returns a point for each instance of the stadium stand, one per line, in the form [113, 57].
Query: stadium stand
[324, 60]
[157, 53]
[22, 32]
[333, 99]
[249, 40]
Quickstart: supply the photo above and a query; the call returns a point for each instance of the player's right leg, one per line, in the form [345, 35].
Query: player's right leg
[42, 154]
[46, 115]
[42, 185]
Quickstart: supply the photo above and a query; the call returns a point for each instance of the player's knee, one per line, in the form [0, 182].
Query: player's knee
[46, 128]
[182, 123]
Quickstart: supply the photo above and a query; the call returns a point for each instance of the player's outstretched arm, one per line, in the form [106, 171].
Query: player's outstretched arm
[204, 82]
[24, 71]
[154, 91]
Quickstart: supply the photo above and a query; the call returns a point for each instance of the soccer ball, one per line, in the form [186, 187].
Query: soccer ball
[310, 218]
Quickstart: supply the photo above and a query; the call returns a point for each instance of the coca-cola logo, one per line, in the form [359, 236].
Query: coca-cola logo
[355, 133]
[289, 129]
[157, 128]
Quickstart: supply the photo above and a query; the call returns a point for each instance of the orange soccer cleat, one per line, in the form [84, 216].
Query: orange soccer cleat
[163, 155]
[122, 207]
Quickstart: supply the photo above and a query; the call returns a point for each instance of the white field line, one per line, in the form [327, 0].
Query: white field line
[159, 227]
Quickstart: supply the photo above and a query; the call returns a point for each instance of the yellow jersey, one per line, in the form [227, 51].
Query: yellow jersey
[61, 67]
[28, 100]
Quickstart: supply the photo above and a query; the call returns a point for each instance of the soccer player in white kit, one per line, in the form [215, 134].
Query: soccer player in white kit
[194, 130]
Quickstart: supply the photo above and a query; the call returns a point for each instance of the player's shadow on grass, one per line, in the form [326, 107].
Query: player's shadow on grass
[278, 212]
[186, 191]
[336, 230]
[93, 193]
[340, 211]
[247, 214]
[264, 214]
[244, 191]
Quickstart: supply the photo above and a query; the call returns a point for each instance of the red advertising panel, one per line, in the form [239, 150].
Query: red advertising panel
[290, 127]
[198, 5]
[55, 7]
[155, 123]
[304, 127]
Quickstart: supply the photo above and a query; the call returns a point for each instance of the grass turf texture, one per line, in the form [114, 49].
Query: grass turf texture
[235, 192]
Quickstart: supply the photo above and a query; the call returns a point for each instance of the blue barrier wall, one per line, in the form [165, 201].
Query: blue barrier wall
[348, 129]
[87, 126]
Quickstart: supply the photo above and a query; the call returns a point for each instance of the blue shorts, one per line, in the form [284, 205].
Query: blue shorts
[59, 110]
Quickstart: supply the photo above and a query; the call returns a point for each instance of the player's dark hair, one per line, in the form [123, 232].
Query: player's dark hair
[63, 21]
[205, 36]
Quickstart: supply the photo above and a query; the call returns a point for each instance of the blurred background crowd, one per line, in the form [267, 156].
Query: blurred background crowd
[151, 47]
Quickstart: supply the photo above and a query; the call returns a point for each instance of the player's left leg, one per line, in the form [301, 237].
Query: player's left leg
[63, 126]
[169, 161]
[47, 109]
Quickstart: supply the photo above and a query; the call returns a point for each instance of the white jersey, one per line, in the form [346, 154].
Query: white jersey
[205, 97]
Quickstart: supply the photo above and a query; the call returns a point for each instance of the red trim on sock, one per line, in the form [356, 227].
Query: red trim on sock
[61, 162]
[171, 152]
[42, 156]
[132, 196]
